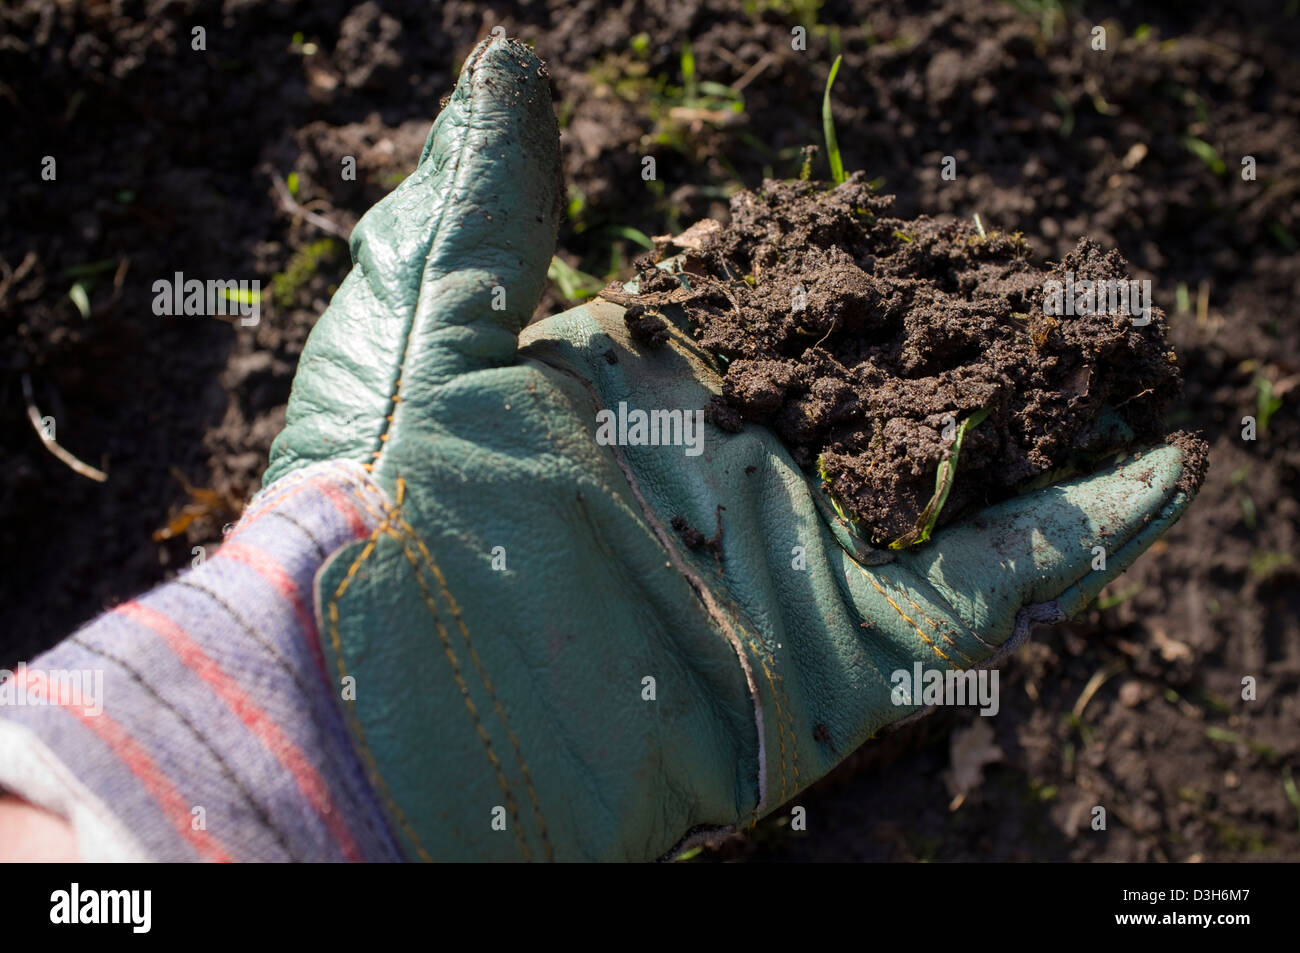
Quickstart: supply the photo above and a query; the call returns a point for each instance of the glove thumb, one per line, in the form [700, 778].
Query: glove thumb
[446, 272]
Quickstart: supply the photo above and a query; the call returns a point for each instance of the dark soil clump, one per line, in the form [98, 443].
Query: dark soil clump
[695, 539]
[866, 342]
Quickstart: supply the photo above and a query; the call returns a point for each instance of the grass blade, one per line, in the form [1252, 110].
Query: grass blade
[828, 127]
[1206, 153]
[943, 482]
[632, 235]
[82, 300]
[573, 285]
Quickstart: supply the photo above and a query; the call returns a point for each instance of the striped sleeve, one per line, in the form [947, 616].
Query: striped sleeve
[198, 721]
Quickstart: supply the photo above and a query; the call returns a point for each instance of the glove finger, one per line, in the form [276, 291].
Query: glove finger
[1059, 545]
[446, 270]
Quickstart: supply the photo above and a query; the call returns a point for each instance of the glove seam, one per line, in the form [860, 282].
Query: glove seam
[394, 526]
[372, 769]
[697, 584]
[454, 608]
[784, 721]
[899, 587]
[395, 398]
[905, 617]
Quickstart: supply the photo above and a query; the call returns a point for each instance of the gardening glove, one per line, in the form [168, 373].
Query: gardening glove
[554, 646]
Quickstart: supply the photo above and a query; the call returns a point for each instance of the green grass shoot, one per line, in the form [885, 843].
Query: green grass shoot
[828, 127]
[80, 298]
[1289, 788]
[1206, 153]
[943, 482]
[249, 296]
[688, 72]
[573, 285]
[1266, 403]
[839, 509]
[632, 235]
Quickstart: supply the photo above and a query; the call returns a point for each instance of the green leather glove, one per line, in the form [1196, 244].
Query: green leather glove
[541, 667]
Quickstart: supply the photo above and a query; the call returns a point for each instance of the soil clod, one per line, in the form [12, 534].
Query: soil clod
[694, 539]
[877, 347]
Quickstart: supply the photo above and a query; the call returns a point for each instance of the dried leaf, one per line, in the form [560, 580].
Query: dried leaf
[971, 749]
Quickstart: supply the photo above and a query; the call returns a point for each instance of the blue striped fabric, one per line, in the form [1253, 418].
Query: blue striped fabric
[220, 735]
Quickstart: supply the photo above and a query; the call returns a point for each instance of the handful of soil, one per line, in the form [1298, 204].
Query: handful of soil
[922, 368]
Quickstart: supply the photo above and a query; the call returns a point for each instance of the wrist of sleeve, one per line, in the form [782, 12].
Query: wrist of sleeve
[197, 722]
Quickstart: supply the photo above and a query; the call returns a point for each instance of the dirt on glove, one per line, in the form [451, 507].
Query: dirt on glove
[870, 343]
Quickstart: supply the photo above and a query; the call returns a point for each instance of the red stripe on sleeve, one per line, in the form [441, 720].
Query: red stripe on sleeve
[309, 782]
[137, 761]
[265, 566]
[326, 485]
[344, 506]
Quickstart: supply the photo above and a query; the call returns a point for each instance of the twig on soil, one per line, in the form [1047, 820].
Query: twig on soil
[47, 438]
[696, 114]
[753, 72]
[119, 281]
[651, 299]
[291, 205]
[12, 277]
[829, 331]
[1126, 400]
[119, 277]
[1099, 678]
[735, 305]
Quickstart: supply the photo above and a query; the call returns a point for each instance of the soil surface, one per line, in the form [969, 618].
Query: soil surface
[864, 340]
[165, 163]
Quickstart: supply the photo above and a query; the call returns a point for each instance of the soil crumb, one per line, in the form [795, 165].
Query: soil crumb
[872, 344]
[694, 539]
[647, 327]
